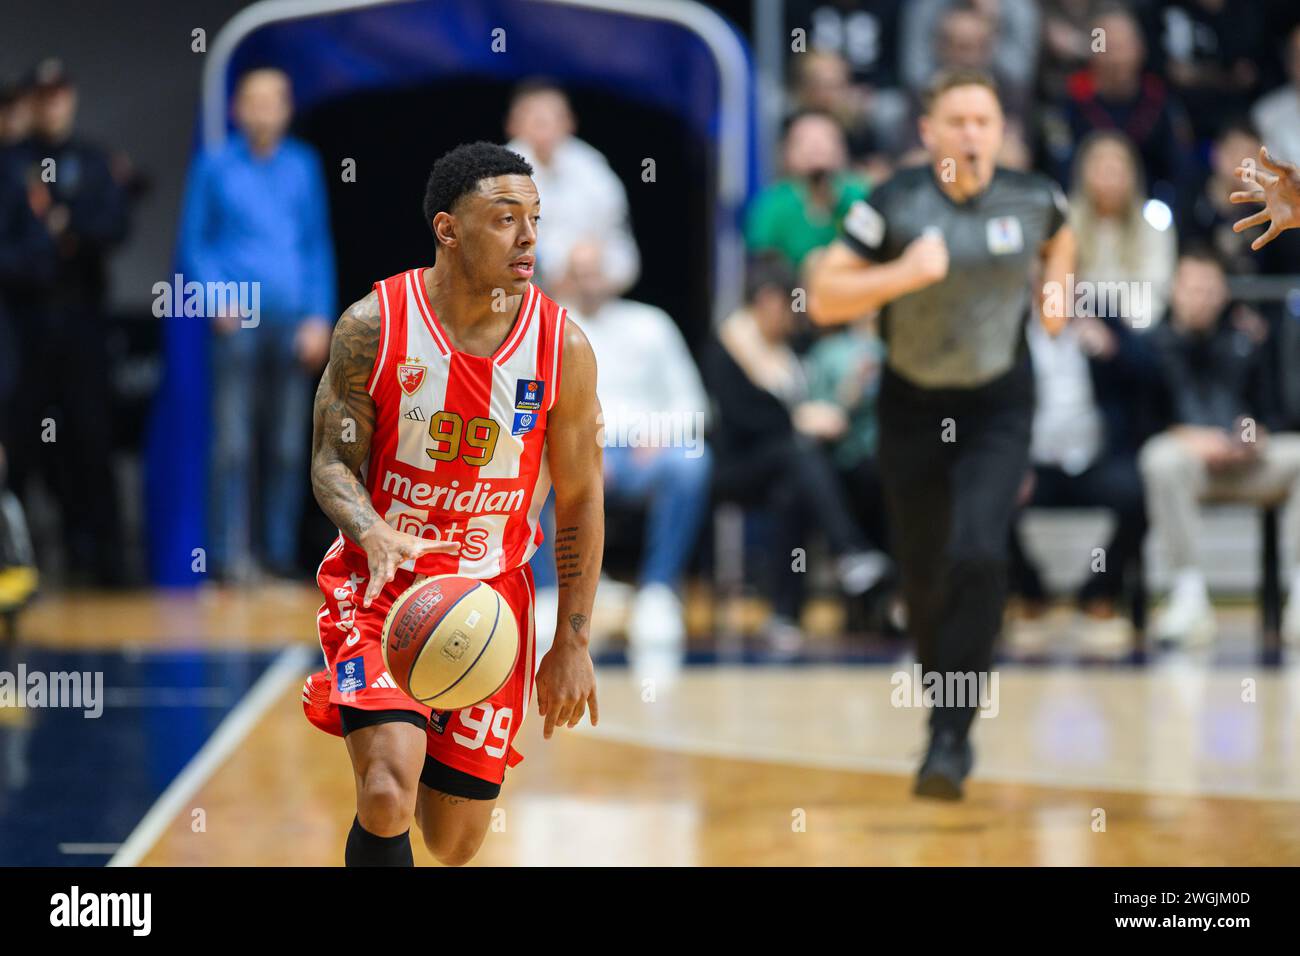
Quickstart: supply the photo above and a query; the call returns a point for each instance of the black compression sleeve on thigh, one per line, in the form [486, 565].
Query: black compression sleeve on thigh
[438, 776]
[353, 718]
[366, 849]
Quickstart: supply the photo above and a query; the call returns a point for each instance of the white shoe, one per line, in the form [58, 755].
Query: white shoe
[545, 610]
[613, 594]
[656, 620]
[1187, 617]
[782, 637]
[861, 571]
[1027, 628]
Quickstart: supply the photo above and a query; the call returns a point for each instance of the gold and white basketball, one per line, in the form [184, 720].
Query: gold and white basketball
[450, 642]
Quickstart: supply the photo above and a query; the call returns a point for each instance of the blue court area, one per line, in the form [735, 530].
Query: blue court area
[71, 787]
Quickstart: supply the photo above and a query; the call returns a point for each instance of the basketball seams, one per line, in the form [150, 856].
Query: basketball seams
[483, 650]
[416, 658]
[399, 605]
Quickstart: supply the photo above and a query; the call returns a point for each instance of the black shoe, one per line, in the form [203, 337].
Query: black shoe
[946, 764]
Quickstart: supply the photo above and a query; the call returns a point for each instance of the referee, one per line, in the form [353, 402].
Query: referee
[950, 253]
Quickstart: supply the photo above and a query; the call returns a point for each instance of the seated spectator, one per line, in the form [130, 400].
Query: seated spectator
[998, 36]
[1221, 445]
[1208, 214]
[843, 370]
[822, 84]
[1122, 236]
[1096, 406]
[582, 197]
[1115, 92]
[802, 211]
[1277, 115]
[1206, 49]
[862, 36]
[654, 413]
[765, 460]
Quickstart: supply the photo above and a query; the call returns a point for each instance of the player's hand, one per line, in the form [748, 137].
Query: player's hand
[1276, 184]
[387, 548]
[926, 258]
[566, 685]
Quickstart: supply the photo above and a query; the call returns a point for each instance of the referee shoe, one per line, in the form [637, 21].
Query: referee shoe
[947, 762]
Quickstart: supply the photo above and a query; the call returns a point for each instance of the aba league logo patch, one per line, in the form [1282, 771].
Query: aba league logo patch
[528, 394]
[410, 377]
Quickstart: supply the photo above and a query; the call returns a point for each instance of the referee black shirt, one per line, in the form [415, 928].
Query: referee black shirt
[967, 329]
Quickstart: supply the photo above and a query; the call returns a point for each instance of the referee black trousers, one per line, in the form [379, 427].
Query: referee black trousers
[952, 462]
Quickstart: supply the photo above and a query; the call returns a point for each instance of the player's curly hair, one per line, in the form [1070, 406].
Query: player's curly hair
[458, 172]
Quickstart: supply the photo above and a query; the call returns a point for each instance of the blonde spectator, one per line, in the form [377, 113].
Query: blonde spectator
[1123, 236]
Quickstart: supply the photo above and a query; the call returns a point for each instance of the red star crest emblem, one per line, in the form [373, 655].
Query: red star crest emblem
[410, 377]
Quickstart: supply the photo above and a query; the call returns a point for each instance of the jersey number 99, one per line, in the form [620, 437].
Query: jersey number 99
[478, 434]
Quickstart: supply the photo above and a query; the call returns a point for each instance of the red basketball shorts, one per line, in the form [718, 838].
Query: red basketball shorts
[477, 740]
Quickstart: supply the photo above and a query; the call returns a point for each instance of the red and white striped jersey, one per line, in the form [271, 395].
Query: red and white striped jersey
[458, 448]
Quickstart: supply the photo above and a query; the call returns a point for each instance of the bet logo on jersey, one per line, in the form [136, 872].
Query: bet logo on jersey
[528, 394]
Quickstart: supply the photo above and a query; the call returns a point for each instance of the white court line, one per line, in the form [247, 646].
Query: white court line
[89, 849]
[698, 747]
[287, 668]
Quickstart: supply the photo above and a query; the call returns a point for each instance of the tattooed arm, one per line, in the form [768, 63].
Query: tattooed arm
[343, 421]
[566, 683]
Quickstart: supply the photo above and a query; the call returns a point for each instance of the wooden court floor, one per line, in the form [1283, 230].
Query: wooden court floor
[1180, 762]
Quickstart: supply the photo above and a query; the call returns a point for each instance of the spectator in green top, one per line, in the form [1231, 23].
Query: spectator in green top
[802, 211]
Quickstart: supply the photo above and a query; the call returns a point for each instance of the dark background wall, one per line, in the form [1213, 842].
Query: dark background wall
[378, 226]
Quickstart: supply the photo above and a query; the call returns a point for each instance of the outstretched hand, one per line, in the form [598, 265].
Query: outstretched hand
[1276, 184]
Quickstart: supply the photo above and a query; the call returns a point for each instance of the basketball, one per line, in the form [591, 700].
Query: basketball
[450, 642]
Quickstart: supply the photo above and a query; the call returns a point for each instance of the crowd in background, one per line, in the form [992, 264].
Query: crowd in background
[1148, 405]
[1140, 110]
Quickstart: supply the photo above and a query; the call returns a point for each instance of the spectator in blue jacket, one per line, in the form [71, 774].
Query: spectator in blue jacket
[256, 213]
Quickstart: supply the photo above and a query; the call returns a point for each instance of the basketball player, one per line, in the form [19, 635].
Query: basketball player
[946, 251]
[454, 398]
[1275, 183]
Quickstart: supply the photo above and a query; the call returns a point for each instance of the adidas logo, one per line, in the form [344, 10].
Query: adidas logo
[415, 414]
[385, 681]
